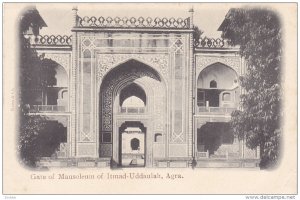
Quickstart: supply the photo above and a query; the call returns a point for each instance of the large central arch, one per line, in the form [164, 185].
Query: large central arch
[148, 82]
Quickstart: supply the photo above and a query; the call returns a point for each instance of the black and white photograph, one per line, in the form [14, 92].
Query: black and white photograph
[199, 96]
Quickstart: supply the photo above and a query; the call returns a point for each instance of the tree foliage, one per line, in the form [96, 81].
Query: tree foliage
[40, 137]
[197, 34]
[37, 136]
[36, 73]
[258, 33]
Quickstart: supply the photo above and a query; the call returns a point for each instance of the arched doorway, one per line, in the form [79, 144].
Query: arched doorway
[128, 93]
[132, 144]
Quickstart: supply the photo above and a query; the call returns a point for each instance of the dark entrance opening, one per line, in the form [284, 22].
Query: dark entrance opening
[212, 135]
[135, 144]
[132, 144]
[210, 95]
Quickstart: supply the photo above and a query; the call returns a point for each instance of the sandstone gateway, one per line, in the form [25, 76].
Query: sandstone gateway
[142, 92]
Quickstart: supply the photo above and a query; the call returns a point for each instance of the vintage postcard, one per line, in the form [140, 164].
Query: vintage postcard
[150, 98]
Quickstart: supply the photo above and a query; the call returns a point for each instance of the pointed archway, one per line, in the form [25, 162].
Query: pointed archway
[134, 80]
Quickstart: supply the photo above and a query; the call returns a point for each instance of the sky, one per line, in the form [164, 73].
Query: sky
[207, 17]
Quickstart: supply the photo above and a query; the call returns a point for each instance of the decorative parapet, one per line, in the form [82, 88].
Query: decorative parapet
[117, 22]
[52, 40]
[211, 43]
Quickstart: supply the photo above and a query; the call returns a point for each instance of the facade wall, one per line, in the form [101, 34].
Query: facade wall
[170, 71]
[99, 53]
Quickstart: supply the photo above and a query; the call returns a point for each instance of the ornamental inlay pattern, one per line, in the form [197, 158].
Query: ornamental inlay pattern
[177, 137]
[177, 45]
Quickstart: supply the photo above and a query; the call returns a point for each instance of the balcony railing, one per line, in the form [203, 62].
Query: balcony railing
[47, 108]
[226, 155]
[217, 110]
[204, 154]
[132, 110]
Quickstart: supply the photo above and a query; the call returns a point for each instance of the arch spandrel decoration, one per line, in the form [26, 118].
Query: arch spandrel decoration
[233, 61]
[109, 61]
[61, 58]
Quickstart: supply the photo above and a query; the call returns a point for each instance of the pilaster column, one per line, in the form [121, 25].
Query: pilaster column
[73, 82]
[191, 138]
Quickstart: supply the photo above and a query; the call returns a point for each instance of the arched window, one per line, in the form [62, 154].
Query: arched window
[135, 144]
[158, 137]
[213, 84]
[226, 96]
